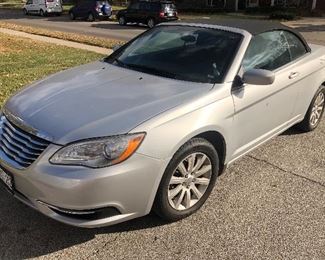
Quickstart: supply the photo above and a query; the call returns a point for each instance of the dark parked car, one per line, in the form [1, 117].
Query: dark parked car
[150, 13]
[91, 10]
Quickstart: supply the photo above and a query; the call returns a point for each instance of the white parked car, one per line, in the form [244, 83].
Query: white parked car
[43, 7]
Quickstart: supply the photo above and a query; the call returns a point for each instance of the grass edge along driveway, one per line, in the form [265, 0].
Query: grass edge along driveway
[23, 61]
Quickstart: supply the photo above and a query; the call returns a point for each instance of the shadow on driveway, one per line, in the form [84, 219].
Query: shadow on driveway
[25, 233]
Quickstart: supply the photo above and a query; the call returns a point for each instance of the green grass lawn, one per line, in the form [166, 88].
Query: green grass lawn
[23, 61]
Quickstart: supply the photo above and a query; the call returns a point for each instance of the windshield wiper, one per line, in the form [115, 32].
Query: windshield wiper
[155, 71]
[120, 63]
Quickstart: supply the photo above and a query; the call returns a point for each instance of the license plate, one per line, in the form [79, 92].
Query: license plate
[6, 179]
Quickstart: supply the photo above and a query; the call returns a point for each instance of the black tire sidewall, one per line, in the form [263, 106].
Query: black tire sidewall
[162, 206]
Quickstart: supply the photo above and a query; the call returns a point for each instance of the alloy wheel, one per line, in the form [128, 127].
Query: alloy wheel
[151, 23]
[189, 181]
[121, 20]
[91, 17]
[317, 109]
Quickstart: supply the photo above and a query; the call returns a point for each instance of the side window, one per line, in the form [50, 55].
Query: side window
[29, 2]
[155, 7]
[267, 51]
[143, 6]
[297, 48]
[135, 6]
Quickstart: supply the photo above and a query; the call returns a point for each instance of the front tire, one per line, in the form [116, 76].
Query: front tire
[42, 13]
[25, 11]
[315, 112]
[187, 181]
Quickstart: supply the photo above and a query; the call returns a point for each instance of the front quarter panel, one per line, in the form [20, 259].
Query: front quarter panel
[169, 131]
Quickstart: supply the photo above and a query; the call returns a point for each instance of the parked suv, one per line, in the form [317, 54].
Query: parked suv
[150, 13]
[91, 10]
[43, 7]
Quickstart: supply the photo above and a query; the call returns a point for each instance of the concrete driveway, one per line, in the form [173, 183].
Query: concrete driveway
[270, 204]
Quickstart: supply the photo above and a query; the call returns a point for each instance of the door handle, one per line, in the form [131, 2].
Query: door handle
[293, 75]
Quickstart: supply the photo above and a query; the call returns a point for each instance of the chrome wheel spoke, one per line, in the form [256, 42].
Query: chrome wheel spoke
[202, 181]
[203, 170]
[181, 168]
[174, 192]
[196, 192]
[200, 163]
[191, 161]
[180, 199]
[188, 199]
[176, 180]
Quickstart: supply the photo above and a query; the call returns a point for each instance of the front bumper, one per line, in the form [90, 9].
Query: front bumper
[129, 188]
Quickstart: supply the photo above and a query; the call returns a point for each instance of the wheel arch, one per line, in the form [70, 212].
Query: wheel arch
[219, 143]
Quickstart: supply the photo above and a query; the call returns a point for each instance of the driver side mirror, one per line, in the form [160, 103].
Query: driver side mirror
[258, 77]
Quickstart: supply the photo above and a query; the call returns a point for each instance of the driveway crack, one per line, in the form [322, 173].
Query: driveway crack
[286, 171]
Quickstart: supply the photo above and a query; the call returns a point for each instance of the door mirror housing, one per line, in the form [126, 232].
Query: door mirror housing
[259, 77]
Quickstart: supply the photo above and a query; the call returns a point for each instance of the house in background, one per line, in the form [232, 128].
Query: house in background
[235, 5]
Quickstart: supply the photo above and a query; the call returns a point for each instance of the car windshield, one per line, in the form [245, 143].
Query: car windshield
[187, 53]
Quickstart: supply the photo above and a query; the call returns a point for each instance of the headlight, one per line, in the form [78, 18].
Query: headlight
[98, 153]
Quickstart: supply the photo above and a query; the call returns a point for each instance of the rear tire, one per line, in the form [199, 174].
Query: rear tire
[122, 20]
[193, 181]
[25, 11]
[151, 23]
[315, 112]
[91, 17]
[72, 16]
[42, 13]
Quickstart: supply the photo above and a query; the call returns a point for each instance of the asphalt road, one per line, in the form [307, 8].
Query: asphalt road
[105, 29]
[268, 205]
[313, 29]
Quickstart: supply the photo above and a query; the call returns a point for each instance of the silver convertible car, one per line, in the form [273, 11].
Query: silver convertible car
[153, 125]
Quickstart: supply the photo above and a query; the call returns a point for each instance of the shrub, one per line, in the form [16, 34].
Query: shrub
[282, 15]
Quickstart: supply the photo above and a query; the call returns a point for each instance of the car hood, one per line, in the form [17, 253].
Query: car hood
[96, 100]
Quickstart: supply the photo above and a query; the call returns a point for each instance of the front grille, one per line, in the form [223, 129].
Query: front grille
[21, 147]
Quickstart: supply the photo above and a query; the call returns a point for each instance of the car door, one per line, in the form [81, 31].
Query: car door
[262, 111]
[81, 8]
[303, 69]
[132, 14]
[143, 12]
[29, 6]
[34, 6]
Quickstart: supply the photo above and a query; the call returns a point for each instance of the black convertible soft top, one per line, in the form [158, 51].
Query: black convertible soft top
[254, 27]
